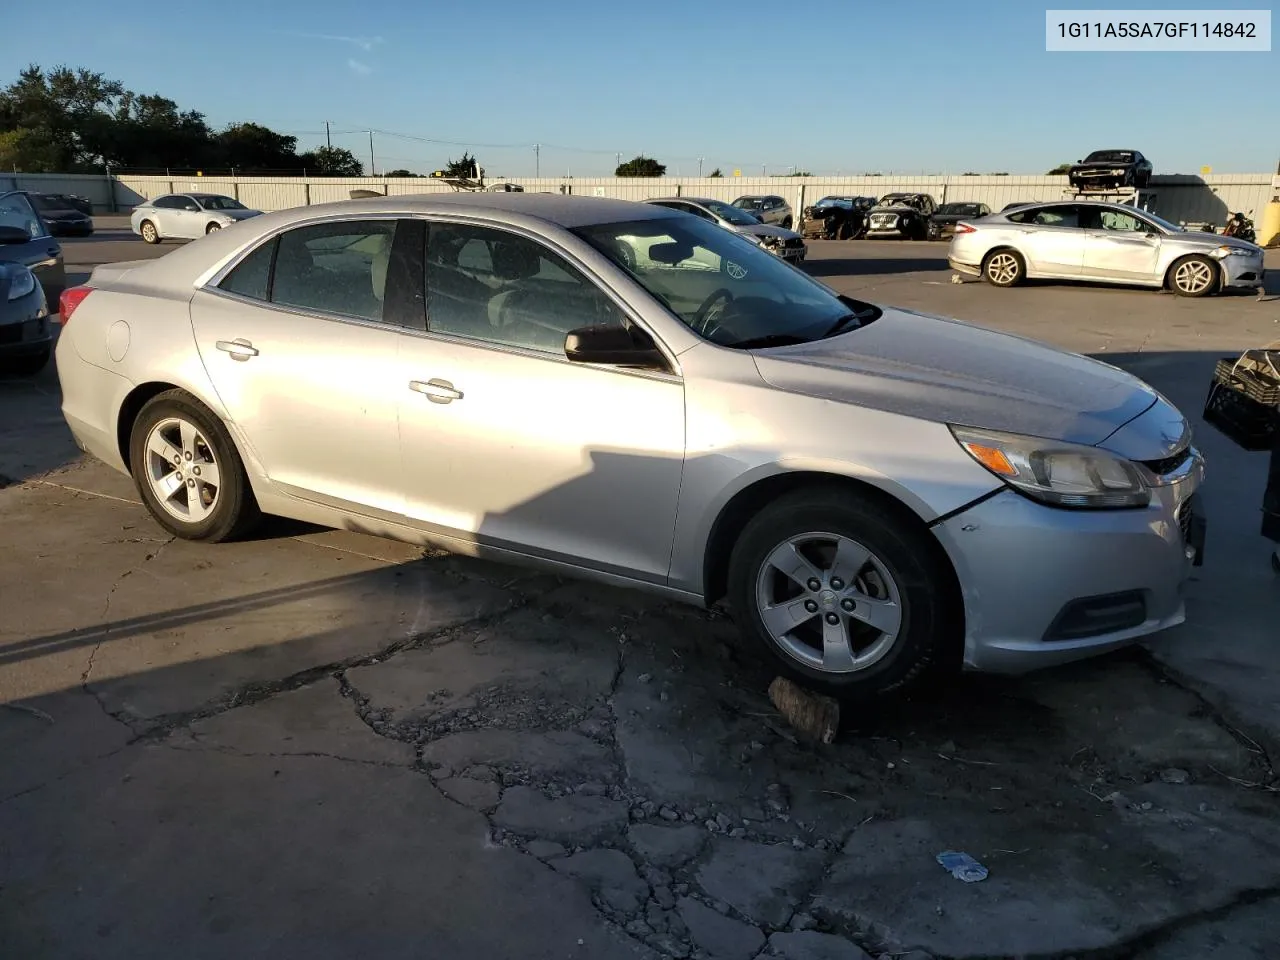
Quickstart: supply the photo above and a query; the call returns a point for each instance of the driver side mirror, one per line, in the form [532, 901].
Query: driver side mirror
[613, 345]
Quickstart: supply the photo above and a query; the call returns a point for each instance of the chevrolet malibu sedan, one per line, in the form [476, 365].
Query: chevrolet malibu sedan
[1102, 243]
[623, 392]
[186, 216]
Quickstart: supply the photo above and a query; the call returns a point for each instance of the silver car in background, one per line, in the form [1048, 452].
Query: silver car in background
[186, 216]
[787, 244]
[617, 391]
[1103, 243]
[770, 208]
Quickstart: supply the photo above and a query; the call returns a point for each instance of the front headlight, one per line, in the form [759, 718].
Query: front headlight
[1056, 473]
[1118, 172]
[22, 283]
[1229, 250]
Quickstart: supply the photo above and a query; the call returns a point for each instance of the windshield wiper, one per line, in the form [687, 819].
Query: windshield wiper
[841, 323]
[769, 340]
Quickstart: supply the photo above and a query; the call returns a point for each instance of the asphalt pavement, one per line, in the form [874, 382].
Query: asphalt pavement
[321, 744]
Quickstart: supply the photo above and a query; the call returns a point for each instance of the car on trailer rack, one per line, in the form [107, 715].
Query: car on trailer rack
[1110, 170]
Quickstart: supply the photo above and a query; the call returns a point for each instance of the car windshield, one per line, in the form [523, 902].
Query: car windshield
[211, 202]
[846, 202]
[961, 209]
[724, 287]
[1163, 223]
[726, 211]
[47, 204]
[1110, 156]
[900, 200]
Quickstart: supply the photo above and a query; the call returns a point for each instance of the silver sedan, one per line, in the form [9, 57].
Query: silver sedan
[616, 391]
[1104, 243]
[781, 241]
[186, 216]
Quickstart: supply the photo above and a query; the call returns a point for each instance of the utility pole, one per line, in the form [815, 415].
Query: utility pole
[537, 161]
[618, 158]
[700, 168]
[373, 169]
[762, 170]
[327, 141]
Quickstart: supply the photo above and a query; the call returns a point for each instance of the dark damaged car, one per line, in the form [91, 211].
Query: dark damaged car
[1110, 170]
[837, 218]
[943, 223]
[904, 215]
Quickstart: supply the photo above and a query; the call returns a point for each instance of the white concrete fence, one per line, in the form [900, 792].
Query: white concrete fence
[1178, 198]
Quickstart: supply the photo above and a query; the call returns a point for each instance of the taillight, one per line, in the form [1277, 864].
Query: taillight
[963, 228]
[71, 298]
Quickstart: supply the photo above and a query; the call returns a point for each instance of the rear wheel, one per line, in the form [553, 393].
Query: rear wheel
[1004, 268]
[840, 593]
[188, 472]
[149, 231]
[1193, 276]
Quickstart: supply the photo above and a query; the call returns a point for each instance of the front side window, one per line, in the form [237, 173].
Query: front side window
[334, 267]
[16, 211]
[724, 287]
[730, 213]
[505, 289]
[1117, 220]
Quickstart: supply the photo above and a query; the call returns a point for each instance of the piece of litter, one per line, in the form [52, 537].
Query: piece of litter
[1174, 775]
[962, 866]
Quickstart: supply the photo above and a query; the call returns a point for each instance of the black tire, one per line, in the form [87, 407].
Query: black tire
[930, 628]
[235, 511]
[212, 228]
[149, 232]
[1175, 283]
[1004, 278]
[844, 231]
[27, 366]
[786, 223]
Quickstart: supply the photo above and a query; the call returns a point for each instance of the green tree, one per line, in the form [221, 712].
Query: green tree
[465, 166]
[28, 150]
[1059, 170]
[401, 172]
[715, 173]
[640, 166]
[251, 146]
[331, 162]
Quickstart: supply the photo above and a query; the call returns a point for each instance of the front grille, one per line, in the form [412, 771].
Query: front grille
[1167, 465]
[17, 332]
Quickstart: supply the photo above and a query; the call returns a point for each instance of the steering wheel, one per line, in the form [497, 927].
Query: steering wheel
[704, 317]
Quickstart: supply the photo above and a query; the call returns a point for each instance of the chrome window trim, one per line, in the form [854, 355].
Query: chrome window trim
[305, 312]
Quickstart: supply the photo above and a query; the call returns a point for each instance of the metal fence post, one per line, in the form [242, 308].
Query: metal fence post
[799, 217]
[306, 193]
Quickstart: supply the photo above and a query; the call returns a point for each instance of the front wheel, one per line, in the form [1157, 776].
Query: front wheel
[786, 223]
[1193, 276]
[1004, 268]
[212, 228]
[840, 593]
[188, 472]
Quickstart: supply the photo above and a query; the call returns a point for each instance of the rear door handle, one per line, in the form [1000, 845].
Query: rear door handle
[239, 349]
[437, 391]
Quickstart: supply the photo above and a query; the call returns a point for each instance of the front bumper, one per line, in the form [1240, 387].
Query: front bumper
[1242, 272]
[26, 338]
[1025, 569]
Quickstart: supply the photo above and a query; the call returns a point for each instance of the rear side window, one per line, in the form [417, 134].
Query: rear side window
[335, 267]
[252, 276]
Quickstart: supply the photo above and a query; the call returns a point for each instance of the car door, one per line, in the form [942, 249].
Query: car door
[1051, 239]
[299, 347]
[507, 443]
[1119, 245]
[41, 253]
[188, 219]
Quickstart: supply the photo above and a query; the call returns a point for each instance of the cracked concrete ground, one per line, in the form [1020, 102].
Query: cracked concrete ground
[320, 744]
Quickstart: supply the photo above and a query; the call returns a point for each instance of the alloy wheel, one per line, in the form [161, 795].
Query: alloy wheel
[1003, 268]
[1193, 277]
[829, 603]
[182, 470]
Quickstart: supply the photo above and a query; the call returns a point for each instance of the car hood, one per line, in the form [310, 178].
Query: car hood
[1102, 164]
[767, 230]
[947, 371]
[1215, 240]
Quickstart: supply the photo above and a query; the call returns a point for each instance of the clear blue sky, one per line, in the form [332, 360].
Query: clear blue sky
[828, 85]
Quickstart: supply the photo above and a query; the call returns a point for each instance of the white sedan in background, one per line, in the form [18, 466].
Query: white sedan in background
[186, 216]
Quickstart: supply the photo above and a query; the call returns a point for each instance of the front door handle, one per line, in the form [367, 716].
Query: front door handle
[239, 349]
[437, 391]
